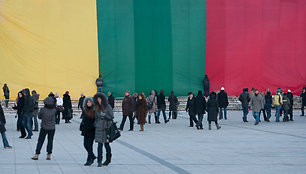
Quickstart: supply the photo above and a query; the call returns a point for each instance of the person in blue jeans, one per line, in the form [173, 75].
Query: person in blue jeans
[223, 103]
[278, 101]
[244, 98]
[2, 129]
[257, 104]
[28, 109]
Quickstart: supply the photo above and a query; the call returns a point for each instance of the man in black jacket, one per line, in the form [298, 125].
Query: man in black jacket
[28, 109]
[244, 98]
[303, 96]
[173, 104]
[161, 106]
[191, 109]
[223, 103]
[111, 100]
[200, 105]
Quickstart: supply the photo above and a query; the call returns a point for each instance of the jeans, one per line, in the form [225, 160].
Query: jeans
[245, 109]
[277, 107]
[27, 123]
[100, 89]
[58, 117]
[164, 114]
[100, 150]
[41, 139]
[221, 113]
[200, 120]
[256, 116]
[268, 110]
[4, 139]
[35, 121]
[192, 118]
[131, 121]
[88, 143]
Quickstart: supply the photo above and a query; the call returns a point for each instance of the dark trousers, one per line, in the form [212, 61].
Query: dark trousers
[164, 114]
[302, 108]
[100, 150]
[216, 122]
[124, 119]
[264, 114]
[245, 109]
[291, 112]
[192, 118]
[58, 117]
[200, 119]
[41, 139]
[88, 144]
[206, 92]
[174, 114]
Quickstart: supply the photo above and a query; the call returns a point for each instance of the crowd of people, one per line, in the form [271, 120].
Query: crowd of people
[97, 113]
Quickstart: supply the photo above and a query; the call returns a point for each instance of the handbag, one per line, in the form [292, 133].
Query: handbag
[59, 108]
[150, 105]
[113, 132]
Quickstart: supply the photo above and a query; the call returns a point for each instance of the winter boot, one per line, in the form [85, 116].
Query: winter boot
[108, 160]
[99, 162]
[156, 120]
[209, 127]
[217, 125]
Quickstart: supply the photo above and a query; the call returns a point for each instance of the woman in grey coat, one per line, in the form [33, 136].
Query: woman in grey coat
[152, 101]
[103, 120]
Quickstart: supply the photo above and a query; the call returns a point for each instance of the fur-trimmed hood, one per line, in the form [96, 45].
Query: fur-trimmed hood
[103, 97]
[85, 101]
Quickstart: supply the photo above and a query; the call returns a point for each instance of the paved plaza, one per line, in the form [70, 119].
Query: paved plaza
[169, 148]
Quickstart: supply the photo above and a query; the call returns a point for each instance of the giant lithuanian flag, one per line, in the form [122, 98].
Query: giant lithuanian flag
[140, 45]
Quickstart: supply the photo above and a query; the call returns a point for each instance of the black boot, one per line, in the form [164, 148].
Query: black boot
[108, 160]
[99, 162]
[174, 115]
[209, 127]
[156, 121]
[217, 125]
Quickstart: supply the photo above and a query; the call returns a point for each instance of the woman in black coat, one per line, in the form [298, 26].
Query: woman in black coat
[173, 104]
[67, 107]
[19, 107]
[88, 129]
[2, 129]
[212, 110]
[190, 108]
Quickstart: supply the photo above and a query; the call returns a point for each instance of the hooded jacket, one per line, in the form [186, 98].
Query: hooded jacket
[103, 120]
[200, 103]
[212, 107]
[28, 102]
[222, 99]
[173, 102]
[152, 99]
[47, 114]
[87, 125]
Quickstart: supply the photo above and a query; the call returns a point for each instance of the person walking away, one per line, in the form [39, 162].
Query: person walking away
[111, 100]
[190, 108]
[6, 92]
[152, 106]
[200, 105]
[59, 108]
[3, 130]
[28, 109]
[303, 96]
[257, 104]
[67, 107]
[290, 97]
[173, 104]
[104, 119]
[88, 130]
[262, 110]
[161, 105]
[35, 97]
[99, 83]
[286, 105]
[223, 103]
[127, 110]
[244, 98]
[46, 115]
[277, 101]
[206, 86]
[212, 110]
[268, 104]
[141, 110]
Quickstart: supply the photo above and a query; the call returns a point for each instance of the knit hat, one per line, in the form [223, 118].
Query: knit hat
[289, 90]
[222, 88]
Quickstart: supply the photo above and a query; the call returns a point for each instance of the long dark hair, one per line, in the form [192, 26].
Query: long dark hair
[104, 103]
[90, 112]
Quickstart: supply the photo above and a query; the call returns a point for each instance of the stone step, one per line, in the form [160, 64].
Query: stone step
[234, 104]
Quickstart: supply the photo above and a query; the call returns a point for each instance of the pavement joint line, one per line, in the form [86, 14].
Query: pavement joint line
[151, 156]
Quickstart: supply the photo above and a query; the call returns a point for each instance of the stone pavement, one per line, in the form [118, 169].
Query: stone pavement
[170, 148]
